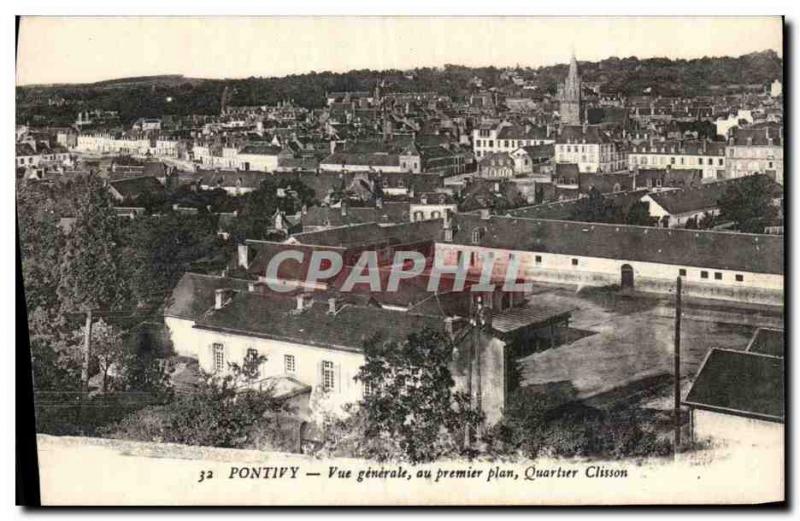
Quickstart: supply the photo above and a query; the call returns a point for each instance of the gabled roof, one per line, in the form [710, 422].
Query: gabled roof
[704, 197]
[767, 341]
[365, 159]
[261, 150]
[132, 187]
[194, 294]
[521, 132]
[231, 178]
[710, 249]
[272, 316]
[740, 383]
[578, 134]
[390, 212]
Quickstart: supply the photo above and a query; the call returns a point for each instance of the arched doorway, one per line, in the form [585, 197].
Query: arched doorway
[627, 276]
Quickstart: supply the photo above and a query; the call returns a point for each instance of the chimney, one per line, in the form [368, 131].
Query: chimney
[303, 302]
[244, 252]
[333, 146]
[219, 297]
[448, 326]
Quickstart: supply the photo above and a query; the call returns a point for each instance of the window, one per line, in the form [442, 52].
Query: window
[739, 277]
[682, 272]
[289, 364]
[252, 353]
[476, 236]
[717, 275]
[574, 262]
[703, 274]
[538, 259]
[219, 357]
[369, 388]
[327, 375]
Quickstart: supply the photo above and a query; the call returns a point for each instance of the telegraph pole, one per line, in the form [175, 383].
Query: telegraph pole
[87, 350]
[677, 389]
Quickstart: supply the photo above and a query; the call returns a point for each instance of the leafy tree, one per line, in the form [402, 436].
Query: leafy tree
[91, 275]
[748, 203]
[40, 242]
[108, 349]
[160, 249]
[411, 411]
[537, 424]
[639, 214]
[595, 208]
[222, 411]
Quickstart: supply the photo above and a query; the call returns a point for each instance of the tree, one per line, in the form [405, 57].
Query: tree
[108, 351]
[40, 242]
[639, 214]
[160, 249]
[255, 219]
[222, 411]
[595, 208]
[90, 274]
[411, 410]
[748, 203]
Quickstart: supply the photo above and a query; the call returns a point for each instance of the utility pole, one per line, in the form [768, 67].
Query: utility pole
[677, 367]
[470, 355]
[479, 321]
[87, 350]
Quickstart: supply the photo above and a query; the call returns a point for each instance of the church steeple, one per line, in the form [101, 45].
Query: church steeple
[570, 95]
[573, 68]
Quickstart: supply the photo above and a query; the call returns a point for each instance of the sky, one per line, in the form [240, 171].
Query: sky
[88, 49]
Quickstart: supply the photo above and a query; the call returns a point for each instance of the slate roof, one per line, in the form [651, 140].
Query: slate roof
[577, 134]
[740, 383]
[391, 212]
[520, 132]
[767, 341]
[759, 136]
[231, 178]
[709, 249]
[372, 234]
[132, 187]
[272, 316]
[25, 149]
[704, 197]
[261, 150]
[195, 293]
[362, 159]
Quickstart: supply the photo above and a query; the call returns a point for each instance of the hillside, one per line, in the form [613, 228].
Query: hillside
[151, 96]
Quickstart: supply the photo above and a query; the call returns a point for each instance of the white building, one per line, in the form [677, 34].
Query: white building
[591, 148]
[775, 89]
[707, 156]
[755, 151]
[316, 343]
[506, 137]
[724, 125]
[737, 397]
[258, 158]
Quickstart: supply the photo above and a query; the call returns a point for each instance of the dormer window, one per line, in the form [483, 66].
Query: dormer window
[476, 235]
